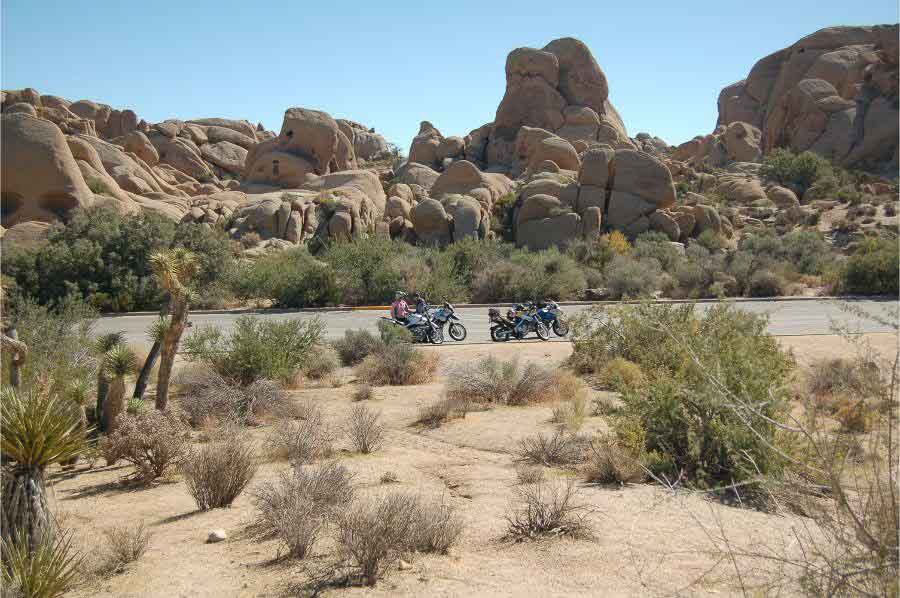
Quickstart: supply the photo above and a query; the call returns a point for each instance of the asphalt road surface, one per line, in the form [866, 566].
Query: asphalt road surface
[787, 318]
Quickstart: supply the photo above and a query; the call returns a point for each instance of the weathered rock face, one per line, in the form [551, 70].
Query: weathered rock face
[833, 92]
[737, 142]
[40, 179]
[560, 89]
[367, 144]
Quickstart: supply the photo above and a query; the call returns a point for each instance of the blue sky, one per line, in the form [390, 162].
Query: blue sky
[391, 65]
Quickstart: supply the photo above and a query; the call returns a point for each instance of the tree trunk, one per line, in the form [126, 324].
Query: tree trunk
[168, 350]
[25, 513]
[115, 404]
[102, 391]
[141, 385]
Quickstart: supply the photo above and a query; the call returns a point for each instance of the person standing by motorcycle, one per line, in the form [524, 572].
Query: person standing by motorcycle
[399, 308]
[421, 305]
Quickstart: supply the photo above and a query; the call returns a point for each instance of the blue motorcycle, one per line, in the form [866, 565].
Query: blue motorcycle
[552, 316]
[528, 320]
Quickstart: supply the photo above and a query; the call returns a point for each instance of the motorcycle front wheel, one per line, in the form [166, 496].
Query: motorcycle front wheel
[542, 331]
[457, 331]
[560, 328]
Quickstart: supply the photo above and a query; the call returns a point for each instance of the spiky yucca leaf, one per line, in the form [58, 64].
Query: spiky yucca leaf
[174, 269]
[120, 361]
[106, 342]
[79, 392]
[37, 428]
[47, 571]
[158, 329]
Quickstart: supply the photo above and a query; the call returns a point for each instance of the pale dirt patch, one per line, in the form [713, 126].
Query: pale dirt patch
[646, 540]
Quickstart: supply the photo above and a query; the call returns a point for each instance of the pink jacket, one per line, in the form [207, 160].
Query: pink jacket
[399, 309]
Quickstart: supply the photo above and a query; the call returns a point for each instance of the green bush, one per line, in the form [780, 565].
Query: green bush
[657, 246]
[256, 348]
[527, 275]
[713, 384]
[627, 277]
[292, 278]
[364, 269]
[355, 346]
[104, 257]
[765, 283]
[872, 269]
[787, 168]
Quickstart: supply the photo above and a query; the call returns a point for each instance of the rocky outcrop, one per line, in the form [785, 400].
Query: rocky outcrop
[367, 144]
[833, 92]
[736, 142]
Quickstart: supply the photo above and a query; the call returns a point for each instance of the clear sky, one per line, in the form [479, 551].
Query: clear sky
[392, 64]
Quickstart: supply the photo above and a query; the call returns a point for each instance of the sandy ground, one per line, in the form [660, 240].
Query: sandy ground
[647, 541]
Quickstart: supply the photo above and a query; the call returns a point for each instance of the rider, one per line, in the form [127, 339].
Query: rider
[399, 308]
[421, 306]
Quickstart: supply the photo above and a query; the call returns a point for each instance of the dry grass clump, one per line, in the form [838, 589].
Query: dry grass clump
[608, 461]
[547, 509]
[571, 415]
[844, 389]
[494, 381]
[364, 430]
[397, 364]
[364, 393]
[530, 474]
[373, 535]
[123, 544]
[153, 441]
[302, 440]
[297, 507]
[560, 449]
[321, 363]
[621, 375]
[433, 415]
[389, 477]
[218, 472]
[206, 394]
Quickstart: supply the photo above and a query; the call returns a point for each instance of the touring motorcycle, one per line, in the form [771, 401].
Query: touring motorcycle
[446, 316]
[552, 316]
[518, 323]
[423, 328]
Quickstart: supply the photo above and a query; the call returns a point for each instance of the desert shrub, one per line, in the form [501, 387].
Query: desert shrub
[373, 535]
[711, 241]
[48, 570]
[571, 414]
[433, 415]
[302, 440]
[364, 430]
[547, 509]
[546, 274]
[433, 272]
[297, 506]
[558, 449]
[123, 544]
[206, 394]
[153, 441]
[786, 168]
[104, 258]
[654, 245]
[436, 527]
[621, 375]
[218, 472]
[389, 477]
[250, 240]
[530, 474]
[854, 416]
[397, 364]
[765, 283]
[391, 334]
[355, 346]
[291, 278]
[831, 376]
[873, 269]
[608, 461]
[494, 381]
[363, 393]
[714, 430]
[364, 269]
[627, 277]
[256, 348]
[321, 362]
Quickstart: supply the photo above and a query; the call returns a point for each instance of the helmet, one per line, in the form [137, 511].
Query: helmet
[399, 294]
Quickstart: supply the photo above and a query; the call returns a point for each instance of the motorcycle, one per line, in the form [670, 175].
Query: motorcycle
[422, 327]
[551, 315]
[445, 315]
[517, 324]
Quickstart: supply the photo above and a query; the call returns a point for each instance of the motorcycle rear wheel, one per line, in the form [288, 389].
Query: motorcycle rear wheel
[497, 336]
[457, 331]
[436, 336]
[542, 331]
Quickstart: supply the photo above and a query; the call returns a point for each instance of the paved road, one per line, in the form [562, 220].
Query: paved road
[787, 318]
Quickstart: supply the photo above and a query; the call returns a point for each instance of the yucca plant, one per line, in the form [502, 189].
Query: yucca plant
[118, 363]
[36, 429]
[46, 571]
[156, 332]
[78, 393]
[103, 345]
[174, 270]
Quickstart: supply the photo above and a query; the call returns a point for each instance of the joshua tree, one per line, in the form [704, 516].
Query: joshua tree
[18, 351]
[78, 393]
[118, 363]
[156, 332]
[36, 429]
[174, 270]
[104, 344]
